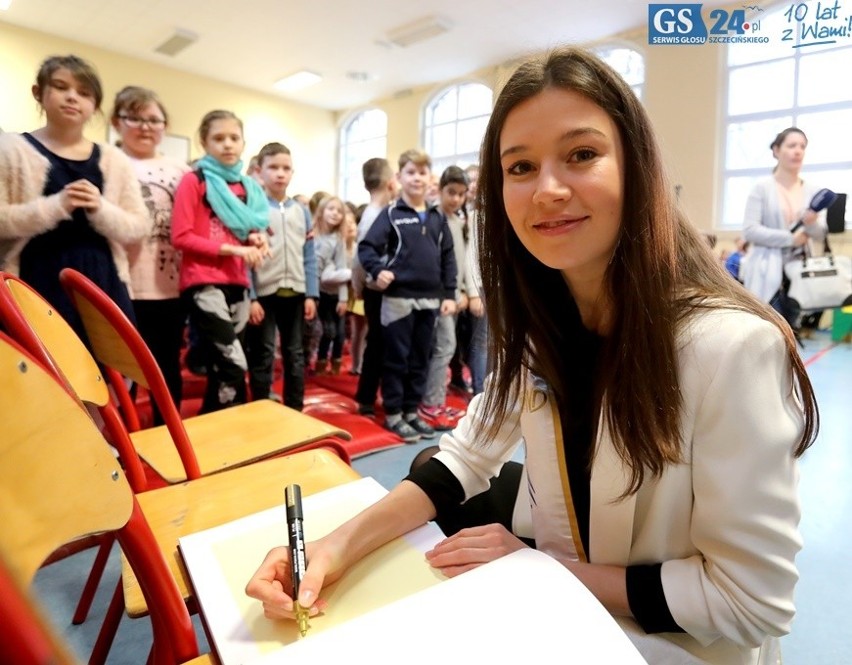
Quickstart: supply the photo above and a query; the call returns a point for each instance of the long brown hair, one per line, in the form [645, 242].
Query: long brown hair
[660, 272]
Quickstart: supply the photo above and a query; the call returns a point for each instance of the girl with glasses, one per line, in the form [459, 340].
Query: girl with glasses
[140, 119]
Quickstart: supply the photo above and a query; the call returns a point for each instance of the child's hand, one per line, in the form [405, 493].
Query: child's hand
[384, 279]
[448, 307]
[310, 309]
[80, 194]
[261, 241]
[256, 313]
[477, 307]
[341, 308]
[251, 255]
[462, 302]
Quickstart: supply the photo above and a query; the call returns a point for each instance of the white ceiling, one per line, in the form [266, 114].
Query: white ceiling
[255, 42]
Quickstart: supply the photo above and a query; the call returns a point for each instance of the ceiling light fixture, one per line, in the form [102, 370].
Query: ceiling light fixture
[418, 31]
[361, 77]
[297, 81]
[177, 42]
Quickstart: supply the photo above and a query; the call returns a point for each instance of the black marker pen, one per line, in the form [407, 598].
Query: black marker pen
[298, 563]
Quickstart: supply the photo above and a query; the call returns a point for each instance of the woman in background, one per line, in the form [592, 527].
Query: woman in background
[776, 205]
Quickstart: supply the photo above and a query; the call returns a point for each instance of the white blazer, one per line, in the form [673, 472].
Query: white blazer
[724, 522]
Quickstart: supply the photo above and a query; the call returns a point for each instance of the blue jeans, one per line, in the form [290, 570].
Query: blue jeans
[443, 348]
[478, 352]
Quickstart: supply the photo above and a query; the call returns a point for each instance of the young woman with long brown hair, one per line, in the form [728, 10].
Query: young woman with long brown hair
[662, 407]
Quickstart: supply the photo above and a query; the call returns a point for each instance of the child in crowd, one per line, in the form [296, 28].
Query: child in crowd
[477, 354]
[380, 181]
[286, 284]
[218, 219]
[418, 279]
[314, 201]
[313, 328]
[140, 119]
[355, 316]
[453, 190]
[253, 169]
[433, 191]
[66, 202]
[334, 271]
[735, 260]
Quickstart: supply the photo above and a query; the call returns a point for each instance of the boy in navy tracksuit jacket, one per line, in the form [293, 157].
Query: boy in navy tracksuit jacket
[409, 254]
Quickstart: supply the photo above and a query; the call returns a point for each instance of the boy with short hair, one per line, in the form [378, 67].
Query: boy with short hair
[408, 251]
[453, 187]
[286, 283]
[380, 182]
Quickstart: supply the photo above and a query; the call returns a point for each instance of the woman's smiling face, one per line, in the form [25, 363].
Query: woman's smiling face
[563, 181]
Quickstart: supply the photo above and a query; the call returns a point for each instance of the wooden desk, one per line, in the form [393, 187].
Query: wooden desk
[233, 437]
[200, 504]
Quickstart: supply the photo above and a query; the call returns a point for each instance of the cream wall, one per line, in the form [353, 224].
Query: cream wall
[309, 132]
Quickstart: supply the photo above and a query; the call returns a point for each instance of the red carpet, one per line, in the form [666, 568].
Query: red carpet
[330, 398]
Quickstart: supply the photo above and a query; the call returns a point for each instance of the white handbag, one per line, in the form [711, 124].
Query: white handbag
[820, 282]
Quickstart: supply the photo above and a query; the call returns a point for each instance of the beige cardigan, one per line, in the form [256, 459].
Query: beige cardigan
[25, 212]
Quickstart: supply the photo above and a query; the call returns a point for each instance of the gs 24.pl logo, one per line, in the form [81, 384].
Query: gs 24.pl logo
[683, 24]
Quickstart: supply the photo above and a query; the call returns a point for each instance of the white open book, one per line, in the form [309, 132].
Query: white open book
[392, 607]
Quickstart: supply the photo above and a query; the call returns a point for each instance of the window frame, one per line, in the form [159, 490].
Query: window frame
[440, 162]
[598, 50]
[343, 147]
[794, 112]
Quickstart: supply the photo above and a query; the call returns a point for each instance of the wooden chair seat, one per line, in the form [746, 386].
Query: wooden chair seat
[232, 437]
[179, 510]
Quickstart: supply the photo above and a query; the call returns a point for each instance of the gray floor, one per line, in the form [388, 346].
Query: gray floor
[823, 594]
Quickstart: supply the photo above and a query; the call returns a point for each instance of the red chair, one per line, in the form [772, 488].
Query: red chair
[65, 485]
[26, 636]
[34, 324]
[189, 448]
[24, 314]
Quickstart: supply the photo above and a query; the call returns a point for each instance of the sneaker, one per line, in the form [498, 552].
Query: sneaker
[461, 387]
[453, 414]
[435, 417]
[420, 426]
[404, 431]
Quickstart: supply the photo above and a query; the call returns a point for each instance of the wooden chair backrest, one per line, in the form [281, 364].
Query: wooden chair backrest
[67, 351]
[58, 479]
[103, 320]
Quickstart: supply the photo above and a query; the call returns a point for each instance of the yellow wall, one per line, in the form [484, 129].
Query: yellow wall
[309, 132]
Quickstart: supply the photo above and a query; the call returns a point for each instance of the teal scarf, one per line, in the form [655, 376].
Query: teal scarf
[241, 218]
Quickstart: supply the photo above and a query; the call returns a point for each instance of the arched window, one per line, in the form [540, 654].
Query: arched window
[781, 84]
[626, 61]
[362, 137]
[454, 124]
